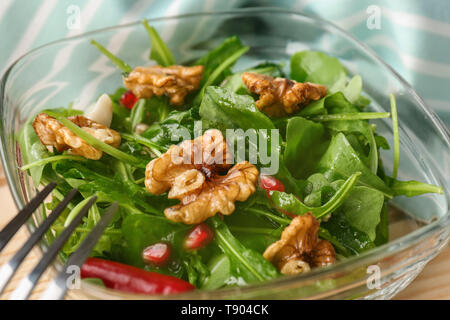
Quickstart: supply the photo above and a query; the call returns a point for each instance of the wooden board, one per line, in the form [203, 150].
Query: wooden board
[432, 283]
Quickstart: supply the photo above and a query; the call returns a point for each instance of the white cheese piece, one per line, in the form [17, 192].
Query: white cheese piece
[102, 111]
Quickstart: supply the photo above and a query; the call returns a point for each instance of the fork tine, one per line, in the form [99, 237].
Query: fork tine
[14, 225]
[57, 288]
[9, 268]
[27, 284]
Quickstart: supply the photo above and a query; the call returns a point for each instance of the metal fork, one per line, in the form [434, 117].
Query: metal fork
[58, 286]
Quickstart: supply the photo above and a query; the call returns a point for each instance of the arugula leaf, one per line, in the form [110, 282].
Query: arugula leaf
[350, 116]
[382, 232]
[158, 108]
[154, 147]
[253, 239]
[137, 114]
[121, 115]
[248, 264]
[159, 52]
[122, 65]
[381, 142]
[341, 161]
[339, 114]
[319, 190]
[337, 104]
[50, 159]
[214, 58]
[225, 109]
[362, 209]
[412, 188]
[115, 97]
[314, 108]
[217, 73]
[165, 133]
[276, 218]
[291, 204]
[313, 199]
[74, 212]
[395, 135]
[154, 109]
[32, 151]
[121, 189]
[317, 182]
[352, 239]
[305, 141]
[141, 230]
[219, 273]
[246, 226]
[291, 184]
[340, 248]
[110, 238]
[318, 67]
[196, 270]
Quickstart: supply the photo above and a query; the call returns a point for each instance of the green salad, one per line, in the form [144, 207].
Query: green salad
[301, 184]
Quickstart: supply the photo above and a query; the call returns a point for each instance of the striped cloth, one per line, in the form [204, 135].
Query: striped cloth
[411, 35]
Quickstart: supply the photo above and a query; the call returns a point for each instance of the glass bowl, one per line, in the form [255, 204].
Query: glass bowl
[72, 70]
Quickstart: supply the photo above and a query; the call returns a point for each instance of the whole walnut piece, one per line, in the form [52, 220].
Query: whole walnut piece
[279, 96]
[299, 248]
[52, 133]
[174, 81]
[194, 173]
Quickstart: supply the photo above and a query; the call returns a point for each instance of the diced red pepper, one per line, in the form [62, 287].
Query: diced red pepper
[199, 237]
[131, 279]
[128, 100]
[157, 254]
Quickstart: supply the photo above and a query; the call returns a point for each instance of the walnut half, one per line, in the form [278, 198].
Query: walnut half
[174, 81]
[199, 184]
[299, 248]
[279, 96]
[52, 133]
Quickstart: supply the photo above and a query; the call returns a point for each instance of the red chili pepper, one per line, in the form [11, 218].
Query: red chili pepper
[199, 237]
[131, 279]
[128, 100]
[157, 254]
[270, 183]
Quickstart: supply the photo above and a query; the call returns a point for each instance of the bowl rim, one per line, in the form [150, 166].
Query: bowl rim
[408, 240]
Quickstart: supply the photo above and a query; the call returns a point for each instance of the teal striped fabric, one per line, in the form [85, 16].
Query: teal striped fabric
[413, 36]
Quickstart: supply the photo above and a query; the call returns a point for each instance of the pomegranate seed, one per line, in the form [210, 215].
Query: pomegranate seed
[128, 100]
[198, 237]
[157, 254]
[270, 183]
